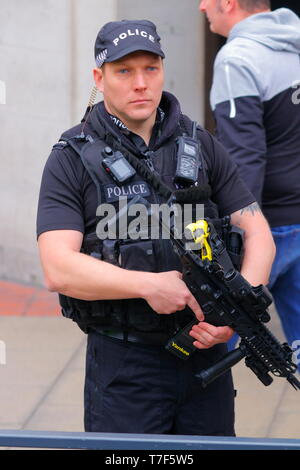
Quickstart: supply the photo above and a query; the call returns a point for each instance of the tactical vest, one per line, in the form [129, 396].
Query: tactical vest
[150, 255]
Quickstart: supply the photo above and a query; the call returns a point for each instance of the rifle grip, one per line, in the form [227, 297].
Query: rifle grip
[219, 368]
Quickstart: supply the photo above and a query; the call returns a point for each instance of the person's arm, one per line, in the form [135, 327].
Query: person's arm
[259, 255]
[258, 243]
[78, 275]
[239, 113]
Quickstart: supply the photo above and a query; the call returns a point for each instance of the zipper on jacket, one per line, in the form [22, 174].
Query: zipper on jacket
[148, 160]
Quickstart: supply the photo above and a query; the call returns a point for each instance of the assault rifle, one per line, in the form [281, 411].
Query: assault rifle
[226, 298]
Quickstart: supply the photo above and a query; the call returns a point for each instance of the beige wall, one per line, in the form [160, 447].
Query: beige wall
[46, 57]
[181, 27]
[45, 60]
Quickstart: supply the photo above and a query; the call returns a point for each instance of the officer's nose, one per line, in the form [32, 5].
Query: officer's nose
[140, 82]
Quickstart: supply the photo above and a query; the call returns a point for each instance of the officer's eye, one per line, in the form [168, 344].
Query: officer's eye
[123, 71]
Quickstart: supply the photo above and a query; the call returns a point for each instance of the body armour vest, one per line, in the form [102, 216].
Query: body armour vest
[143, 253]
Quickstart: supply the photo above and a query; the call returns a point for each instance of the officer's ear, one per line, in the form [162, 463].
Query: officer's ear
[98, 78]
[227, 6]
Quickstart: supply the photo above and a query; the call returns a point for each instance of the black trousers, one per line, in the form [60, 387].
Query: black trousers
[139, 388]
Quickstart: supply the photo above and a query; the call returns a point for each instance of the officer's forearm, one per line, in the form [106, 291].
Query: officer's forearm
[81, 276]
[84, 277]
[258, 244]
[258, 258]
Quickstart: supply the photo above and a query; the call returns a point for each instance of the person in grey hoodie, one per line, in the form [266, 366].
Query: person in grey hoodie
[255, 98]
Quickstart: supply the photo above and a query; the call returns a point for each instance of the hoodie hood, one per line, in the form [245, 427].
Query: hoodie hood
[279, 30]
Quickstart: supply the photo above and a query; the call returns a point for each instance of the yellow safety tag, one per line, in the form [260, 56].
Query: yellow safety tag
[200, 233]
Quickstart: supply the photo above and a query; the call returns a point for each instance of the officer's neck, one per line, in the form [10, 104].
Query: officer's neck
[142, 128]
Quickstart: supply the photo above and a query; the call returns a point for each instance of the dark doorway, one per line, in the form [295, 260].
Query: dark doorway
[213, 42]
[292, 5]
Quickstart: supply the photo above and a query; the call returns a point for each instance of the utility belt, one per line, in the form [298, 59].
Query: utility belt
[149, 338]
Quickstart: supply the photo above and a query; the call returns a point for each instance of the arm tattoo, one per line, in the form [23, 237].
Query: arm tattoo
[254, 207]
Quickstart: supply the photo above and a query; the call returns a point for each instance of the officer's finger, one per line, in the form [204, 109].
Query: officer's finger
[195, 307]
[202, 341]
[219, 333]
[206, 327]
[201, 335]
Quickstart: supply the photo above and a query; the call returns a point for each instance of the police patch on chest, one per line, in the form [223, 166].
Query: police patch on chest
[137, 188]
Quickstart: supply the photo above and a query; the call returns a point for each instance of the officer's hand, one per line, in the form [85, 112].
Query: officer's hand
[207, 335]
[168, 293]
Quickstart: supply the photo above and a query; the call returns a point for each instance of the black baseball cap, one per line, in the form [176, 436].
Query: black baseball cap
[119, 38]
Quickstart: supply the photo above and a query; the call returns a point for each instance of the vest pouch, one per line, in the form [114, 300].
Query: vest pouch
[69, 309]
[139, 256]
[93, 313]
[92, 244]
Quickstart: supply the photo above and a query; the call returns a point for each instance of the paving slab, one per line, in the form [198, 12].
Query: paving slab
[43, 378]
[40, 354]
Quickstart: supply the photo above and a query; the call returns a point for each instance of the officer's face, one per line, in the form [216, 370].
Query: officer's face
[132, 87]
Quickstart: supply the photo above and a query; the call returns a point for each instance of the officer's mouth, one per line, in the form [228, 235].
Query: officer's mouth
[140, 101]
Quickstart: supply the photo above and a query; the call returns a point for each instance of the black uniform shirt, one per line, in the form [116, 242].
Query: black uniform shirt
[68, 199]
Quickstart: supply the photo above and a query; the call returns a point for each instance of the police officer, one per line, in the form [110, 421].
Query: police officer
[129, 296]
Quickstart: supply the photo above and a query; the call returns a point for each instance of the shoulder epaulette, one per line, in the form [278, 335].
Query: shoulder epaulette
[61, 144]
